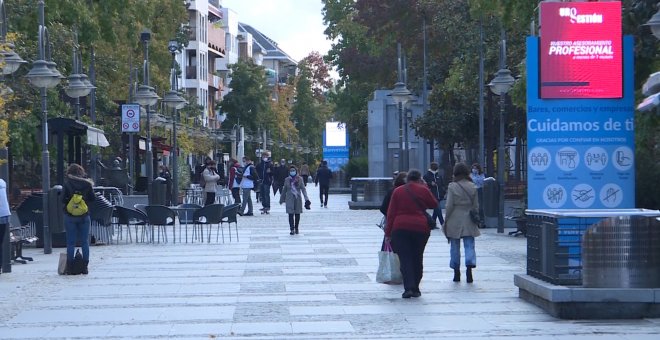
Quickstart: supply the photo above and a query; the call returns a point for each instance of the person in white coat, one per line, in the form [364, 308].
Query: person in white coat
[211, 178]
[4, 215]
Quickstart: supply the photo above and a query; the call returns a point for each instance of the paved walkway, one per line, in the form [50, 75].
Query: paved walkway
[270, 285]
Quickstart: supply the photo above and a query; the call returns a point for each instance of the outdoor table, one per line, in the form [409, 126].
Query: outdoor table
[188, 212]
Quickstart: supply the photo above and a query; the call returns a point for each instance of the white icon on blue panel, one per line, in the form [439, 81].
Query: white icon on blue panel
[611, 195]
[539, 159]
[596, 158]
[583, 195]
[623, 158]
[567, 159]
[554, 196]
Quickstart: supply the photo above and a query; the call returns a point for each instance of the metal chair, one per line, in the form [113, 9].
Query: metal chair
[140, 207]
[100, 215]
[229, 216]
[186, 212]
[161, 216]
[130, 217]
[208, 215]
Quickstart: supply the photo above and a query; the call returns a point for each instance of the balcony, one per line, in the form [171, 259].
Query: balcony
[215, 81]
[191, 72]
[216, 41]
[192, 35]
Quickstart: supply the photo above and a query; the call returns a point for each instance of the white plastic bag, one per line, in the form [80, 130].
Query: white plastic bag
[388, 266]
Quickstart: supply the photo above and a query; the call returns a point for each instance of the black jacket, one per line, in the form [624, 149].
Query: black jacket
[438, 190]
[323, 176]
[72, 185]
[265, 171]
[280, 173]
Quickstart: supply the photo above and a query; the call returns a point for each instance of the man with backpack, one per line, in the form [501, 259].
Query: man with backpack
[77, 197]
[250, 176]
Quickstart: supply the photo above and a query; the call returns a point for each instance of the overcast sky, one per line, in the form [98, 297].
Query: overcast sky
[296, 25]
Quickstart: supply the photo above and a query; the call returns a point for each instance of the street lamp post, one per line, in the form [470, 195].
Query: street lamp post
[10, 63]
[401, 95]
[79, 85]
[43, 76]
[174, 102]
[146, 97]
[500, 85]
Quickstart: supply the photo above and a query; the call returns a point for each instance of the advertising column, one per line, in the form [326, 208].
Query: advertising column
[580, 114]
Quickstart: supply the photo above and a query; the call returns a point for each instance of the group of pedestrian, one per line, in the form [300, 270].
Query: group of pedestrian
[407, 227]
[288, 180]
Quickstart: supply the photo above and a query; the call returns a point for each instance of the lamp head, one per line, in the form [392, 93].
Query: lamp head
[400, 93]
[145, 35]
[173, 100]
[654, 24]
[502, 82]
[40, 76]
[173, 46]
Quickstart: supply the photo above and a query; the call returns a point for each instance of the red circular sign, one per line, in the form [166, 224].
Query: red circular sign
[135, 125]
[125, 126]
[130, 113]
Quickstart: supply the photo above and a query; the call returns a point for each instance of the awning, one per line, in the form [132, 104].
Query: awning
[96, 137]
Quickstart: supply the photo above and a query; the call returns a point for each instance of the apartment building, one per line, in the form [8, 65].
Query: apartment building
[217, 40]
[200, 59]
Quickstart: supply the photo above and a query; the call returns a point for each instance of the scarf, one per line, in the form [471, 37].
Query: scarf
[294, 186]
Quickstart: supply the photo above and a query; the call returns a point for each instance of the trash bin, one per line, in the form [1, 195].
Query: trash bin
[56, 209]
[158, 189]
[622, 252]
[491, 197]
[555, 249]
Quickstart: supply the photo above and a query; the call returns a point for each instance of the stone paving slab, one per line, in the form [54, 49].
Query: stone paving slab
[270, 285]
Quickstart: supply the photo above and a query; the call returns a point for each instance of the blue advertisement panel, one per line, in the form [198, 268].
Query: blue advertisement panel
[335, 145]
[580, 151]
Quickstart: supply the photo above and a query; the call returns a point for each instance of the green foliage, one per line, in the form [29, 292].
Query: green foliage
[356, 167]
[248, 103]
[112, 29]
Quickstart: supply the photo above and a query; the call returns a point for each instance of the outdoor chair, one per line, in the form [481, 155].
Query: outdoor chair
[208, 216]
[229, 217]
[130, 217]
[161, 217]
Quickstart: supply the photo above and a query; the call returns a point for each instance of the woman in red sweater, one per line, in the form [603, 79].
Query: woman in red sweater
[407, 229]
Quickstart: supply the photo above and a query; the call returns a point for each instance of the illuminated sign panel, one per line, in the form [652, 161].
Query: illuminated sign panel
[581, 50]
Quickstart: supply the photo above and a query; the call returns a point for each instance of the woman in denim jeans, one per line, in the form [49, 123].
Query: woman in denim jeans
[461, 198]
[77, 227]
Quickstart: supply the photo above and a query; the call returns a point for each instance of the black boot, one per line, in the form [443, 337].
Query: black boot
[296, 230]
[469, 275]
[291, 233]
[457, 275]
[85, 271]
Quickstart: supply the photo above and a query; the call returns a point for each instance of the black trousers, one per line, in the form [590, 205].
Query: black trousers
[3, 227]
[305, 178]
[323, 193]
[410, 245]
[236, 194]
[210, 198]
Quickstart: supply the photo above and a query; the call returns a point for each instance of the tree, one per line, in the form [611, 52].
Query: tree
[248, 103]
[318, 73]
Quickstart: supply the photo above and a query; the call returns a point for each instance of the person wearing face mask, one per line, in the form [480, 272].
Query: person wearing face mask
[478, 178]
[250, 175]
[292, 193]
[265, 171]
[279, 175]
[434, 181]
